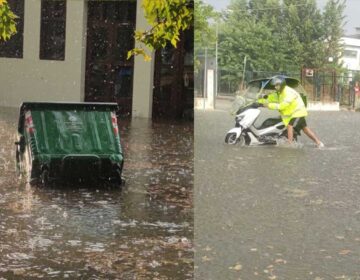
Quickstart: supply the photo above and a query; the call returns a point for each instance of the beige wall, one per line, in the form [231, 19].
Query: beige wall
[143, 75]
[32, 79]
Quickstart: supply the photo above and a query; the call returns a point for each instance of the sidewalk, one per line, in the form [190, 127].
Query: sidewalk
[224, 103]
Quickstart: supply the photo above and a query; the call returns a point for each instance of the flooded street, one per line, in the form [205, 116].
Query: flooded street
[275, 212]
[144, 231]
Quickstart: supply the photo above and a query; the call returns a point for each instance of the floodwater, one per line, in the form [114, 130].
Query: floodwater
[277, 212]
[144, 231]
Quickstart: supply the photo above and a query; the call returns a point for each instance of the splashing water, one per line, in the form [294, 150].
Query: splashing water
[81, 232]
[283, 143]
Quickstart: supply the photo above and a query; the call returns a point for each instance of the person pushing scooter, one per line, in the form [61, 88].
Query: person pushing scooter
[292, 109]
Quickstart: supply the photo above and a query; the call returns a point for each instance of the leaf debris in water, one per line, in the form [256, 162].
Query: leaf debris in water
[236, 267]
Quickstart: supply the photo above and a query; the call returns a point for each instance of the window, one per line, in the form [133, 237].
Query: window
[13, 48]
[123, 81]
[109, 74]
[350, 53]
[53, 27]
[113, 11]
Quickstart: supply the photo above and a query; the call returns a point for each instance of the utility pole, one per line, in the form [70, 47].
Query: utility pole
[243, 77]
[205, 77]
[216, 61]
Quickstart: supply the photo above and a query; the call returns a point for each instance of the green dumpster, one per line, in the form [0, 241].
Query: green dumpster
[76, 142]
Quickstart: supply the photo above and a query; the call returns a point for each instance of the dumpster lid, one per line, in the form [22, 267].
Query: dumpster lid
[86, 106]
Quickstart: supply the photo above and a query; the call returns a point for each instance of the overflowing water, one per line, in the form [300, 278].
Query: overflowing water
[283, 143]
[144, 231]
[272, 212]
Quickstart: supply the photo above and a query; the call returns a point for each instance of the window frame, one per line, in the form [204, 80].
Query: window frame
[350, 53]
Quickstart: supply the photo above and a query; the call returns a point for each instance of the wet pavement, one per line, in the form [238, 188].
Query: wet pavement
[144, 231]
[275, 212]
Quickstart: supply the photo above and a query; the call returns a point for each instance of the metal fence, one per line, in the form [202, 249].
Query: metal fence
[227, 84]
[325, 85]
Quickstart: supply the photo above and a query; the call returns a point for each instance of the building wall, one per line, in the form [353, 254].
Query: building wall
[352, 44]
[143, 75]
[32, 79]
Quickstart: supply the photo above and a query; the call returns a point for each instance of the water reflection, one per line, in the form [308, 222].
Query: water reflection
[141, 232]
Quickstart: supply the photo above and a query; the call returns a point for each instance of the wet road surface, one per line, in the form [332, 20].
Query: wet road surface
[275, 212]
[144, 231]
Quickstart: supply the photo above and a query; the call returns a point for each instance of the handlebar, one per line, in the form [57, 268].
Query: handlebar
[256, 105]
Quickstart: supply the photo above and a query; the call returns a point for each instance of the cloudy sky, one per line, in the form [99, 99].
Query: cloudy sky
[352, 12]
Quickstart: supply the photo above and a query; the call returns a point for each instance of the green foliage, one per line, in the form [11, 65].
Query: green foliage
[205, 21]
[7, 21]
[204, 35]
[246, 38]
[304, 20]
[167, 19]
[333, 24]
[279, 36]
[356, 77]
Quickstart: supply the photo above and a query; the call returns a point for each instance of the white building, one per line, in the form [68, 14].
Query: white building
[351, 53]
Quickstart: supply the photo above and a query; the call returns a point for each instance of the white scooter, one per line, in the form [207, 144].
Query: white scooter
[245, 132]
[252, 127]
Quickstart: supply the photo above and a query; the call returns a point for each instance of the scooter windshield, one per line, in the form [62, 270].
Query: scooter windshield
[258, 88]
[250, 95]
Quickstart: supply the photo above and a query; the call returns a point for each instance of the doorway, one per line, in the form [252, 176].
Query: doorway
[174, 79]
[109, 75]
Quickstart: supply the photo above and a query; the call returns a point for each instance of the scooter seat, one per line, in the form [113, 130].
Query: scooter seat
[269, 122]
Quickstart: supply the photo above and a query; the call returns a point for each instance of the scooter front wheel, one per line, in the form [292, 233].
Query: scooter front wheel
[231, 138]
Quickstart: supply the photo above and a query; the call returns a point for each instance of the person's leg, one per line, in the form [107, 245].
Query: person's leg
[290, 133]
[312, 135]
[290, 129]
[302, 125]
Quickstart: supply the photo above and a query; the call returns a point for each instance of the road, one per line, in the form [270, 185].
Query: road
[144, 231]
[276, 212]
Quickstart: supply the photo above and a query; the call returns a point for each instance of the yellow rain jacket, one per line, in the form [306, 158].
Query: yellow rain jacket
[288, 102]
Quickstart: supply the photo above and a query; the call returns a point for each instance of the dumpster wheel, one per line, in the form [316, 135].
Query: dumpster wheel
[45, 177]
[26, 165]
[118, 176]
[18, 162]
[116, 180]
